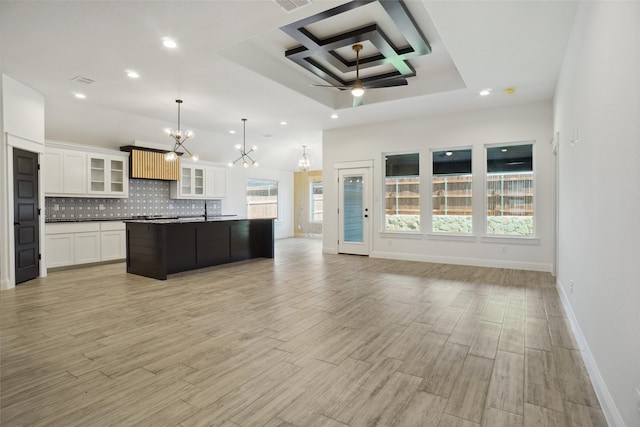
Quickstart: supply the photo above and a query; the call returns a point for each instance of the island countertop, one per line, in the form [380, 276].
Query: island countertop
[181, 220]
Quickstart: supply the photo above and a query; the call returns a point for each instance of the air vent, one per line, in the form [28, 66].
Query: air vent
[291, 5]
[83, 80]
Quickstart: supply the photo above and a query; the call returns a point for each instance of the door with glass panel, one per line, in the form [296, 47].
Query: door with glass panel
[354, 211]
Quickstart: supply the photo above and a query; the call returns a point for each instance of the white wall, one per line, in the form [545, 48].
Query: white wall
[236, 201]
[530, 122]
[23, 128]
[598, 101]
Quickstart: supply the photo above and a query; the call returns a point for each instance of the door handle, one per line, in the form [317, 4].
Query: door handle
[17, 223]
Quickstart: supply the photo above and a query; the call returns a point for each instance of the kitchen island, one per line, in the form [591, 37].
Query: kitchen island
[159, 247]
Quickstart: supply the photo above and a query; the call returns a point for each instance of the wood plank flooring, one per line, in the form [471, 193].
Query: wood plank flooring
[305, 339]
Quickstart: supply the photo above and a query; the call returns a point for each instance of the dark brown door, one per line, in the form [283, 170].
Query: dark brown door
[25, 214]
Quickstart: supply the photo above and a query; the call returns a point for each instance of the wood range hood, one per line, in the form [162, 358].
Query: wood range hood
[149, 163]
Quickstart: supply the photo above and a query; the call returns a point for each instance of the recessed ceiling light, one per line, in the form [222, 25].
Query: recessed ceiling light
[485, 92]
[132, 74]
[232, 131]
[170, 43]
[283, 123]
[80, 95]
[334, 116]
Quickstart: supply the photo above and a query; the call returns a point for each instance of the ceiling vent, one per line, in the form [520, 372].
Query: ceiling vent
[291, 5]
[83, 80]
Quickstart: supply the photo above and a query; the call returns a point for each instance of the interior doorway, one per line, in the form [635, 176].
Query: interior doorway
[26, 213]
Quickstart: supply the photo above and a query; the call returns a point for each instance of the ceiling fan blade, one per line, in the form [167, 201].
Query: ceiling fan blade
[357, 101]
[336, 87]
[386, 83]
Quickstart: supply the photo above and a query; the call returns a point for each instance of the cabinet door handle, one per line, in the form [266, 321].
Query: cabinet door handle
[17, 223]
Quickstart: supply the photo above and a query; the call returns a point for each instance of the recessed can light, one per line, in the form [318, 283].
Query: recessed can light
[334, 116]
[283, 123]
[80, 95]
[485, 92]
[232, 131]
[133, 74]
[170, 43]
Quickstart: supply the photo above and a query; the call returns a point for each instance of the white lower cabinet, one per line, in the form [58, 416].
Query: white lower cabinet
[82, 243]
[112, 241]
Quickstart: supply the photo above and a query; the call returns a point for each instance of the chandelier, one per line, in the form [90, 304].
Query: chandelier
[242, 149]
[305, 161]
[180, 138]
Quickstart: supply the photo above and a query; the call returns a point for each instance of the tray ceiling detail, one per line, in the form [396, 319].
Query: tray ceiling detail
[325, 50]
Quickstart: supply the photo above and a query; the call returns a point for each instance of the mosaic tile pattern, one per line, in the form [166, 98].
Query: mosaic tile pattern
[146, 197]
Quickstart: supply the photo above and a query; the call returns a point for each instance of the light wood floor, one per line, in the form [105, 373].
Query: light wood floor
[305, 340]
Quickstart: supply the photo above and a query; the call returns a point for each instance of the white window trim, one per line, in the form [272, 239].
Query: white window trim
[384, 190]
[432, 233]
[311, 220]
[491, 238]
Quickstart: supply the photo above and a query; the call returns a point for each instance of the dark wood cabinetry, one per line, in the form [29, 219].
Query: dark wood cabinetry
[157, 249]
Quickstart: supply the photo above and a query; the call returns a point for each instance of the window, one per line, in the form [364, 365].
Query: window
[510, 190]
[316, 201]
[402, 192]
[451, 191]
[262, 198]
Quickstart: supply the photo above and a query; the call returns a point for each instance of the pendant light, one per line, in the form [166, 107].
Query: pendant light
[179, 138]
[305, 161]
[242, 149]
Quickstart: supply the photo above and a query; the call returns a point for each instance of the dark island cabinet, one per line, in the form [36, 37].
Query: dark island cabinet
[159, 248]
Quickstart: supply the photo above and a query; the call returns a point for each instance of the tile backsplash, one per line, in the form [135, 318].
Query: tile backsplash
[146, 197]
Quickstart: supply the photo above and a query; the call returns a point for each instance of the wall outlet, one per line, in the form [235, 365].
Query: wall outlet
[571, 286]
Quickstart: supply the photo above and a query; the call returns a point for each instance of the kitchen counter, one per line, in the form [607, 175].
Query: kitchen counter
[159, 247]
[144, 218]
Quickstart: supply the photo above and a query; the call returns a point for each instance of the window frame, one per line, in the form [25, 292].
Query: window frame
[383, 207]
[507, 238]
[277, 203]
[431, 232]
[311, 201]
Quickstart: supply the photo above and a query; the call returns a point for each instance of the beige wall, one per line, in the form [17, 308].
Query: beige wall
[301, 202]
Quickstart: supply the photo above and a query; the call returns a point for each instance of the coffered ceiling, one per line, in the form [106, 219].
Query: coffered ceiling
[231, 63]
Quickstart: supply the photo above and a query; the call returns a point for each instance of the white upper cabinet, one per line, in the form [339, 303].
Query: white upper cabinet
[65, 172]
[72, 172]
[200, 182]
[108, 175]
[215, 183]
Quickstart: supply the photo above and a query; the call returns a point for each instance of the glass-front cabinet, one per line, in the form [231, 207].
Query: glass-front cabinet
[191, 181]
[108, 176]
[199, 182]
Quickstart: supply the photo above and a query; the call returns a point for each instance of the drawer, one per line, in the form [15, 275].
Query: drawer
[112, 226]
[75, 227]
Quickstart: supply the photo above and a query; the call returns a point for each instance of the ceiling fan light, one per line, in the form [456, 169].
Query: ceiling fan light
[357, 90]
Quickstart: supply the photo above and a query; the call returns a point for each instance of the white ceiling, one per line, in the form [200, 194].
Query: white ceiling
[230, 64]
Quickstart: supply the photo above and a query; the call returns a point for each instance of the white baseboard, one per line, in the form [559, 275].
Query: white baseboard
[329, 250]
[475, 262]
[6, 284]
[609, 408]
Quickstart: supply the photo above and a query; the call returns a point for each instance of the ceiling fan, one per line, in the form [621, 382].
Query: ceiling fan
[358, 87]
